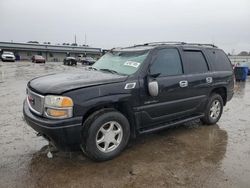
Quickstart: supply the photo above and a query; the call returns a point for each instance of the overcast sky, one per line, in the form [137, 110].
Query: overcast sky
[112, 23]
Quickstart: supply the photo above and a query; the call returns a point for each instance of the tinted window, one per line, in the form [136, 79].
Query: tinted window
[194, 62]
[167, 63]
[219, 60]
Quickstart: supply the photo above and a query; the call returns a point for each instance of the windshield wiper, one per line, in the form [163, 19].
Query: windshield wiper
[109, 70]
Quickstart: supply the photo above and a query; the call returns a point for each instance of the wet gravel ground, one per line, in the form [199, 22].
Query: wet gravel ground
[191, 155]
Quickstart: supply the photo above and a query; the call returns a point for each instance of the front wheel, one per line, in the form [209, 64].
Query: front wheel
[213, 110]
[106, 136]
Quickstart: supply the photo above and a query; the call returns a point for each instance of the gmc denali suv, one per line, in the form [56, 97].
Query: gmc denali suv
[127, 92]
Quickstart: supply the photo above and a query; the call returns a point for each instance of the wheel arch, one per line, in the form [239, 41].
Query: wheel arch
[121, 107]
[222, 91]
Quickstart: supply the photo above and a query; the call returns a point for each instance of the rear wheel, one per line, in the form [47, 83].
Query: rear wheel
[107, 135]
[213, 110]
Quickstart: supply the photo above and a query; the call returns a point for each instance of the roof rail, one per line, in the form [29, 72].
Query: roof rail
[162, 43]
[198, 44]
[174, 43]
[166, 43]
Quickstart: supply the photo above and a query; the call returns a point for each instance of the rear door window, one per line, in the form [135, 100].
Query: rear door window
[194, 62]
[219, 60]
[167, 63]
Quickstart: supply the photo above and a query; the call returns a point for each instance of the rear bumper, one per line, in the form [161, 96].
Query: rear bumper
[64, 134]
[39, 61]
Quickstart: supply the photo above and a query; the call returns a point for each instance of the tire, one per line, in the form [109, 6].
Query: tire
[98, 127]
[213, 110]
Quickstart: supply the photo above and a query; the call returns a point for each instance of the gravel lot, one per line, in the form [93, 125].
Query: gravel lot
[185, 156]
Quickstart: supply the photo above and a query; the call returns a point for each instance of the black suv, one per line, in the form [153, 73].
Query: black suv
[127, 92]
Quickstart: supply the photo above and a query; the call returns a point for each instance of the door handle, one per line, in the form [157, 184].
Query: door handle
[183, 83]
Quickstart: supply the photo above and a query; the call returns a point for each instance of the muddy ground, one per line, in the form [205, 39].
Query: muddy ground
[191, 155]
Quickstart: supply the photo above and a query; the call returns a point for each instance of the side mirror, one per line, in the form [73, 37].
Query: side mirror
[153, 88]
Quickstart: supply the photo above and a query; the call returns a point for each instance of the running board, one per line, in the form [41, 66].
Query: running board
[170, 124]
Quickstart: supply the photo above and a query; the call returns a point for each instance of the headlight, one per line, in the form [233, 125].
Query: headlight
[58, 107]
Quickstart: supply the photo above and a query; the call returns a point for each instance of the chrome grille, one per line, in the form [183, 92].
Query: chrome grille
[35, 102]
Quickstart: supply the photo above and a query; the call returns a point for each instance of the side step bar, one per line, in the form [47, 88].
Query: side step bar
[154, 129]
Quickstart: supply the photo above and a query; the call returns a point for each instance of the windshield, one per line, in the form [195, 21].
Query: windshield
[121, 62]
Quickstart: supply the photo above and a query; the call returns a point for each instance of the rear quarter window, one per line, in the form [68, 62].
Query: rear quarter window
[219, 60]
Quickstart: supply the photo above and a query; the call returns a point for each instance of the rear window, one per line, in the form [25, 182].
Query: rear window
[219, 60]
[194, 62]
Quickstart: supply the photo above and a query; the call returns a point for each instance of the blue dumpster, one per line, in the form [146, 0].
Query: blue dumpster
[241, 73]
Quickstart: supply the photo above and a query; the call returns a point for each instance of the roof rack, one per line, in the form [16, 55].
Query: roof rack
[198, 44]
[162, 43]
[166, 43]
[173, 43]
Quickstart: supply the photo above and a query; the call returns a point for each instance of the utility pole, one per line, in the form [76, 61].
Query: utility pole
[85, 42]
[75, 38]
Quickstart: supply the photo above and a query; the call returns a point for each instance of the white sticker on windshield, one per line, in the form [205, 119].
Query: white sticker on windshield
[132, 64]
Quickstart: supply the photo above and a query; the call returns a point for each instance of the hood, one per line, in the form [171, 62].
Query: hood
[60, 83]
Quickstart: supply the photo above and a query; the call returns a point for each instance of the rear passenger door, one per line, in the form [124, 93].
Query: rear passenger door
[198, 76]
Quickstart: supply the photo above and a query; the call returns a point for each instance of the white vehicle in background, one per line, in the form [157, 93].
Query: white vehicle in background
[8, 56]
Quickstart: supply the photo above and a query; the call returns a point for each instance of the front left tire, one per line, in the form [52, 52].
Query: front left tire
[105, 135]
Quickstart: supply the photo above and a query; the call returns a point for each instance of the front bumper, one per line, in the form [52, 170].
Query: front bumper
[64, 134]
[8, 58]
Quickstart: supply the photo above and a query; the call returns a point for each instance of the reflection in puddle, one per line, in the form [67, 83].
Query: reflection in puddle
[169, 153]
